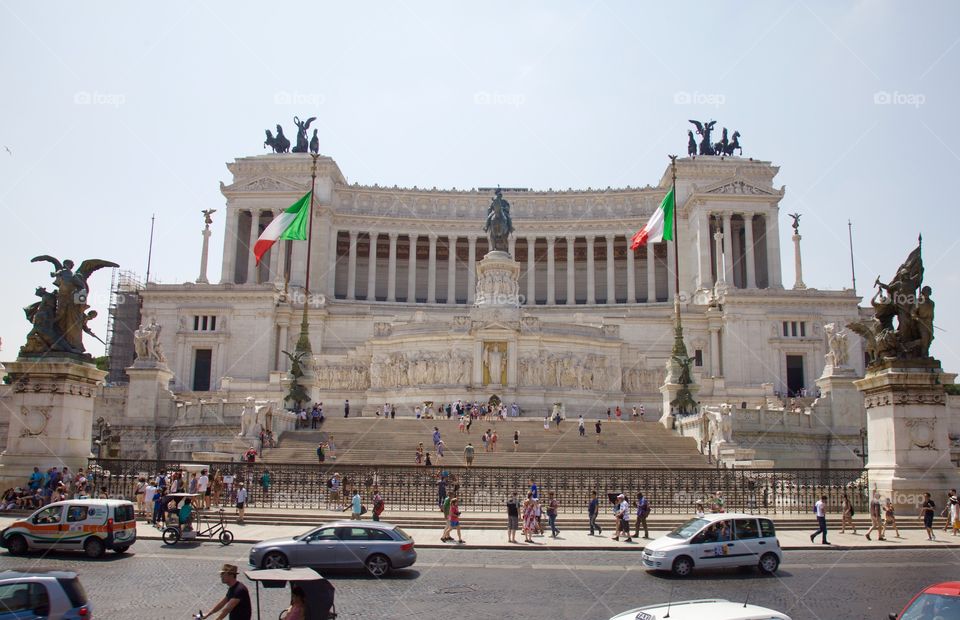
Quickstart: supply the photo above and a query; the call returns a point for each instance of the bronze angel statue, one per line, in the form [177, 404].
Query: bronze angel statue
[60, 318]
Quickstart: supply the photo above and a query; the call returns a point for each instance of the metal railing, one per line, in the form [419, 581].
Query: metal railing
[414, 488]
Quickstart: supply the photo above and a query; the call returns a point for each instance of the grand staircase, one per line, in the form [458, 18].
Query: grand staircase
[381, 441]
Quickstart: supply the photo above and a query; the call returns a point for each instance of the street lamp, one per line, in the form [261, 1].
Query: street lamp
[862, 452]
[103, 428]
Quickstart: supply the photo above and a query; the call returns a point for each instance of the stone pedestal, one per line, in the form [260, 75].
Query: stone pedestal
[907, 435]
[669, 392]
[51, 416]
[497, 281]
[149, 384]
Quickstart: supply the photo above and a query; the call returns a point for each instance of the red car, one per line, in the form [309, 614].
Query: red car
[940, 601]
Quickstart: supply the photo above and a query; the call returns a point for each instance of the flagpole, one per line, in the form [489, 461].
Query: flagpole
[303, 342]
[676, 239]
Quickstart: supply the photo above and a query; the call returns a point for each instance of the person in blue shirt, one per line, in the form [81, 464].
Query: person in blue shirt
[593, 509]
[186, 513]
[36, 479]
[533, 489]
[357, 507]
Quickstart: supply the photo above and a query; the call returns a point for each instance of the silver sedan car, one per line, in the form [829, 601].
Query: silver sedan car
[374, 545]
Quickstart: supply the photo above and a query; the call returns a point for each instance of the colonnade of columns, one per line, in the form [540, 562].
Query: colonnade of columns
[737, 256]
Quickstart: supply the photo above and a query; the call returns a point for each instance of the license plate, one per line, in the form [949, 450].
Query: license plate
[642, 615]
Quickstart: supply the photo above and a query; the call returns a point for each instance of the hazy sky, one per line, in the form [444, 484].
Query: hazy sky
[114, 111]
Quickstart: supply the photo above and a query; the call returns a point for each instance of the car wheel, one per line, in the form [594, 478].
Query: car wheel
[226, 537]
[682, 566]
[94, 548]
[171, 536]
[769, 563]
[378, 565]
[16, 545]
[121, 549]
[275, 559]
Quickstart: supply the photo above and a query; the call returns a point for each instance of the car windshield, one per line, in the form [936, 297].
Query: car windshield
[307, 534]
[688, 529]
[933, 606]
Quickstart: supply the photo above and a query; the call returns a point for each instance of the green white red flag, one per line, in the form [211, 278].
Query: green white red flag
[291, 224]
[660, 226]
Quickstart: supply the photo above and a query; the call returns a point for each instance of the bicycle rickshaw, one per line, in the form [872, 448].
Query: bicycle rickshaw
[199, 524]
[319, 592]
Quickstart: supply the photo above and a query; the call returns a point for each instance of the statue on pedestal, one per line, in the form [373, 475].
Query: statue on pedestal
[60, 319]
[837, 354]
[499, 225]
[146, 343]
[906, 300]
[297, 393]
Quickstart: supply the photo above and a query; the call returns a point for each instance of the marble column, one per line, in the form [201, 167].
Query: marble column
[372, 268]
[331, 262]
[591, 273]
[703, 250]
[471, 269]
[631, 275]
[531, 271]
[728, 250]
[279, 266]
[797, 264]
[571, 267]
[611, 292]
[254, 235]
[748, 251]
[228, 270]
[392, 268]
[651, 274]
[282, 346]
[412, 271]
[512, 246]
[432, 270]
[352, 267]
[715, 351]
[551, 273]
[772, 237]
[452, 269]
[204, 255]
[721, 274]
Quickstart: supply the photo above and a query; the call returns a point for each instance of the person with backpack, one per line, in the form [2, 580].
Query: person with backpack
[643, 511]
[445, 509]
[320, 455]
[378, 504]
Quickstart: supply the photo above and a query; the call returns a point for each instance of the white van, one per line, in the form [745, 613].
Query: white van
[90, 525]
[718, 540]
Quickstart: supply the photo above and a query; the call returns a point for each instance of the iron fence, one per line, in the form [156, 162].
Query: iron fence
[415, 488]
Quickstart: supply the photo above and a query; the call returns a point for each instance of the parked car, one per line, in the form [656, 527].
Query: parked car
[90, 525]
[40, 593]
[377, 546]
[714, 609]
[719, 540]
[941, 600]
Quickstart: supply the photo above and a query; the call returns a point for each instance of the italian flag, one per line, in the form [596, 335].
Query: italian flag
[291, 224]
[660, 226]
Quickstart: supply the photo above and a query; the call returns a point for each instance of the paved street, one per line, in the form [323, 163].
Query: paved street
[163, 582]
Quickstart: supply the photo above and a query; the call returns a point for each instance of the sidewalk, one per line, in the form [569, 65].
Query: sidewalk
[580, 540]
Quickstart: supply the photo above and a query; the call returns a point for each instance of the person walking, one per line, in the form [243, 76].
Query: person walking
[529, 518]
[513, 517]
[846, 516]
[203, 488]
[643, 511]
[593, 510]
[445, 509]
[546, 423]
[516, 440]
[356, 506]
[441, 490]
[241, 502]
[418, 458]
[598, 429]
[455, 519]
[378, 504]
[440, 448]
[820, 510]
[926, 513]
[346, 408]
[331, 447]
[952, 512]
[468, 454]
[876, 522]
[320, 454]
[623, 518]
[485, 440]
[334, 485]
[889, 518]
[581, 427]
[265, 485]
[552, 508]
[493, 442]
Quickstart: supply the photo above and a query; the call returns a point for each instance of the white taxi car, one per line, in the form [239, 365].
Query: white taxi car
[714, 609]
[720, 540]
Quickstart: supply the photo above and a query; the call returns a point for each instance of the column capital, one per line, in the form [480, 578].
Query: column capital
[531, 240]
[433, 237]
[393, 235]
[413, 236]
[472, 239]
[353, 234]
[551, 240]
[570, 238]
[590, 239]
[453, 236]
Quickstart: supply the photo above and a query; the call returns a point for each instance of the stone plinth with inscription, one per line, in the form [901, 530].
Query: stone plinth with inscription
[907, 431]
[51, 420]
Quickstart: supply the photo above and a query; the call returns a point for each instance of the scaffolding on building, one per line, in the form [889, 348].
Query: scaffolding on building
[123, 319]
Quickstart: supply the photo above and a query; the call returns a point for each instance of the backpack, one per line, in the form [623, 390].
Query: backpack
[330, 483]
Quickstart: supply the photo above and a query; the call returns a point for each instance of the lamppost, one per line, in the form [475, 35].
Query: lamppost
[862, 452]
[103, 428]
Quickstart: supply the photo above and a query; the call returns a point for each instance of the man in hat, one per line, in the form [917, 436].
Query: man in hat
[623, 518]
[237, 601]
